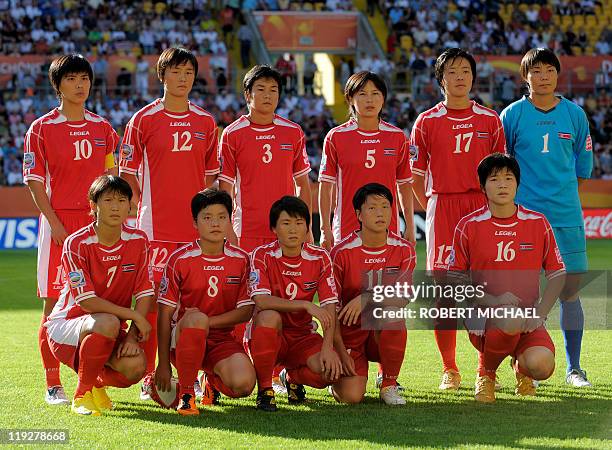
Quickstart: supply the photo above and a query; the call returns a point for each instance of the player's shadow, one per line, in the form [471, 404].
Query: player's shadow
[429, 419]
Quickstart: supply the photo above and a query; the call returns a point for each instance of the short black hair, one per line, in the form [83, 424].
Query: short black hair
[294, 206]
[106, 183]
[257, 73]
[175, 56]
[210, 196]
[448, 57]
[366, 190]
[494, 163]
[67, 65]
[537, 56]
[357, 82]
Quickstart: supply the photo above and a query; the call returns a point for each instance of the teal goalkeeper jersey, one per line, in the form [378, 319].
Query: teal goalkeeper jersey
[553, 149]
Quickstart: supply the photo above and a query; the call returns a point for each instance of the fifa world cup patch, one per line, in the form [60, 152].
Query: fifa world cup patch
[589, 144]
[163, 286]
[565, 135]
[310, 285]
[323, 163]
[254, 278]
[127, 152]
[526, 246]
[414, 152]
[332, 285]
[76, 279]
[29, 160]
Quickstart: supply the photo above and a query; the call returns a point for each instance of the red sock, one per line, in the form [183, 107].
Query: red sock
[218, 385]
[391, 348]
[481, 364]
[265, 343]
[498, 345]
[50, 364]
[303, 375]
[446, 341]
[150, 345]
[110, 377]
[190, 350]
[94, 351]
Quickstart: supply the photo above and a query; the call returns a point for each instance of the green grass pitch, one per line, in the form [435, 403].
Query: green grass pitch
[558, 417]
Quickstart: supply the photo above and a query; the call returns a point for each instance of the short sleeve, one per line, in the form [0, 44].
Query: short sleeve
[459, 260]
[338, 271]
[112, 140]
[498, 136]
[131, 152]
[144, 278]
[301, 165]
[583, 148]
[211, 157]
[419, 152]
[243, 298]
[506, 120]
[34, 157]
[328, 294]
[259, 281]
[328, 170]
[227, 155]
[170, 284]
[77, 270]
[552, 262]
[403, 172]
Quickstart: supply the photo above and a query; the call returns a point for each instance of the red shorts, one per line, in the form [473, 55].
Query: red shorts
[218, 348]
[159, 252]
[361, 345]
[296, 347]
[50, 273]
[63, 338]
[537, 338]
[249, 244]
[444, 211]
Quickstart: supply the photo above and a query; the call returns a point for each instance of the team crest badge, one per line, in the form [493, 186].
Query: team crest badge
[254, 278]
[163, 286]
[414, 152]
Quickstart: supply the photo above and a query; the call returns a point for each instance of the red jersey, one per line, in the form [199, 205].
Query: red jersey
[293, 278]
[68, 156]
[115, 273]
[358, 268]
[262, 161]
[172, 152]
[353, 157]
[213, 284]
[447, 145]
[507, 254]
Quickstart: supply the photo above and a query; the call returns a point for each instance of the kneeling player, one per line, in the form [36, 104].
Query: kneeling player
[370, 256]
[285, 275]
[107, 264]
[203, 295]
[504, 246]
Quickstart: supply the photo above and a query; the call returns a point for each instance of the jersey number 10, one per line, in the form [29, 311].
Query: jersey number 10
[82, 149]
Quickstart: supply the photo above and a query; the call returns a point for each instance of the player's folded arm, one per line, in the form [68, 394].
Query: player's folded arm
[241, 314]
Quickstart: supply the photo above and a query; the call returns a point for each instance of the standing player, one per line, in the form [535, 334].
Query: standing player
[171, 144]
[107, 264]
[264, 158]
[285, 276]
[504, 247]
[203, 296]
[447, 142]
[370, 256]
[363, 150]
[549, 136]
[64, 151]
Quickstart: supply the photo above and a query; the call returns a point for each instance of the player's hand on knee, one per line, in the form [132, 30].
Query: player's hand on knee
[349, 315]
[128, 347]
[330, 364]
[144, 327]
[531, 324]
[163, 373]
[348, 365]
[321, 315]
